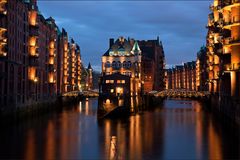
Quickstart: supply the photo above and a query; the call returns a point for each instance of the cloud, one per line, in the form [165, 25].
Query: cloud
[180, 24]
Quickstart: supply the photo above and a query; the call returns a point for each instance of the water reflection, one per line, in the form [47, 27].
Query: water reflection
[176, 130]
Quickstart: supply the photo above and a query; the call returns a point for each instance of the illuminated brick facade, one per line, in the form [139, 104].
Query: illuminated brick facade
[153, 65]
[33, 54]
[182, 77]
[143, 61]
[202, 70]
[223, 43]
[123, 57]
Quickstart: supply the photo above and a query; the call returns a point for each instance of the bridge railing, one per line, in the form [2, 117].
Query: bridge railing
[181, 93]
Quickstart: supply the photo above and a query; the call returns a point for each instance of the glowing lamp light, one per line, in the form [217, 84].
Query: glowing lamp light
[119, 90]
[108, 101]
[35, 79]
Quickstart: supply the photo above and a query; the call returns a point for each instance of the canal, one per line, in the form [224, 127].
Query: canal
[173, 130]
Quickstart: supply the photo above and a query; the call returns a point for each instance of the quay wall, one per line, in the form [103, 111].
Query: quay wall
[227, 108]
[37, 108]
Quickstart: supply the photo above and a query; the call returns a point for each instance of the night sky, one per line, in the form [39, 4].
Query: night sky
[179, 24]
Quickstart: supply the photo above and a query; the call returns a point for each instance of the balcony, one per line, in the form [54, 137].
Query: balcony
[3, 51]
[234, 22]
[231, 42]
[34, 56]
[229, 4]
[3, 55]
[52, 82]
[226, 41]
[34, 52]
[3, 41]
[212, 7]
[232, 67]
[3, 8]
[51, 79]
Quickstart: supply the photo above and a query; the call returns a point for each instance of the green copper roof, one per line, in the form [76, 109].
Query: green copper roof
[136, 47]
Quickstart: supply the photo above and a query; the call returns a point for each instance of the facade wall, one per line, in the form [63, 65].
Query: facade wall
[223, 43]
[182, 77]
[124, 57]
[32, 56]
[153, 61]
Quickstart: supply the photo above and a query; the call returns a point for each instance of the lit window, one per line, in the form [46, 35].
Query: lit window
[112, 90]
[110, 81]
[121, 81]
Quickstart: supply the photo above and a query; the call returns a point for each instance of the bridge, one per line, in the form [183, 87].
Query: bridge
[87, 93]
[183, 93]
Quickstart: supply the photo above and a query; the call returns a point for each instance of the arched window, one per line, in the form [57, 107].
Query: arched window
[119, 65]
[114, 64]
[129, 64]
[107, 64]
[124, 64]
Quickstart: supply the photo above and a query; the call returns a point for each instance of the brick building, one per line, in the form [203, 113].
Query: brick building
[153, 64]
[36, 58]
[123, 57]
[202, 70]
[223, 46]
[182, 76]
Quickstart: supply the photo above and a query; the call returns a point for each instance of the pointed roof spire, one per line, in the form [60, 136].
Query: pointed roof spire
[136, 47]
[89, 66]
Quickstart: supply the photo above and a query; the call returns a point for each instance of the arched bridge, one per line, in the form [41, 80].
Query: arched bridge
[183, 93]
[88, 93]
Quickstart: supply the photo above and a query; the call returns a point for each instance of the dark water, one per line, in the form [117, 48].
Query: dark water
[176, 130]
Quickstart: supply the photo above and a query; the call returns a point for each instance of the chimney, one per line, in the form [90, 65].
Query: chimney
[111, 42]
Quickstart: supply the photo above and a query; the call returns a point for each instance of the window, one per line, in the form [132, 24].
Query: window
[119, 65]
[108, 64]
[124, 64]
[114, 64]
[121, 81]
[109, 81]
[129, 64]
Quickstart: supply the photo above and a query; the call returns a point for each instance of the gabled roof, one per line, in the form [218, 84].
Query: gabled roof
[119, 45]
[106, 53]
[136, 47]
